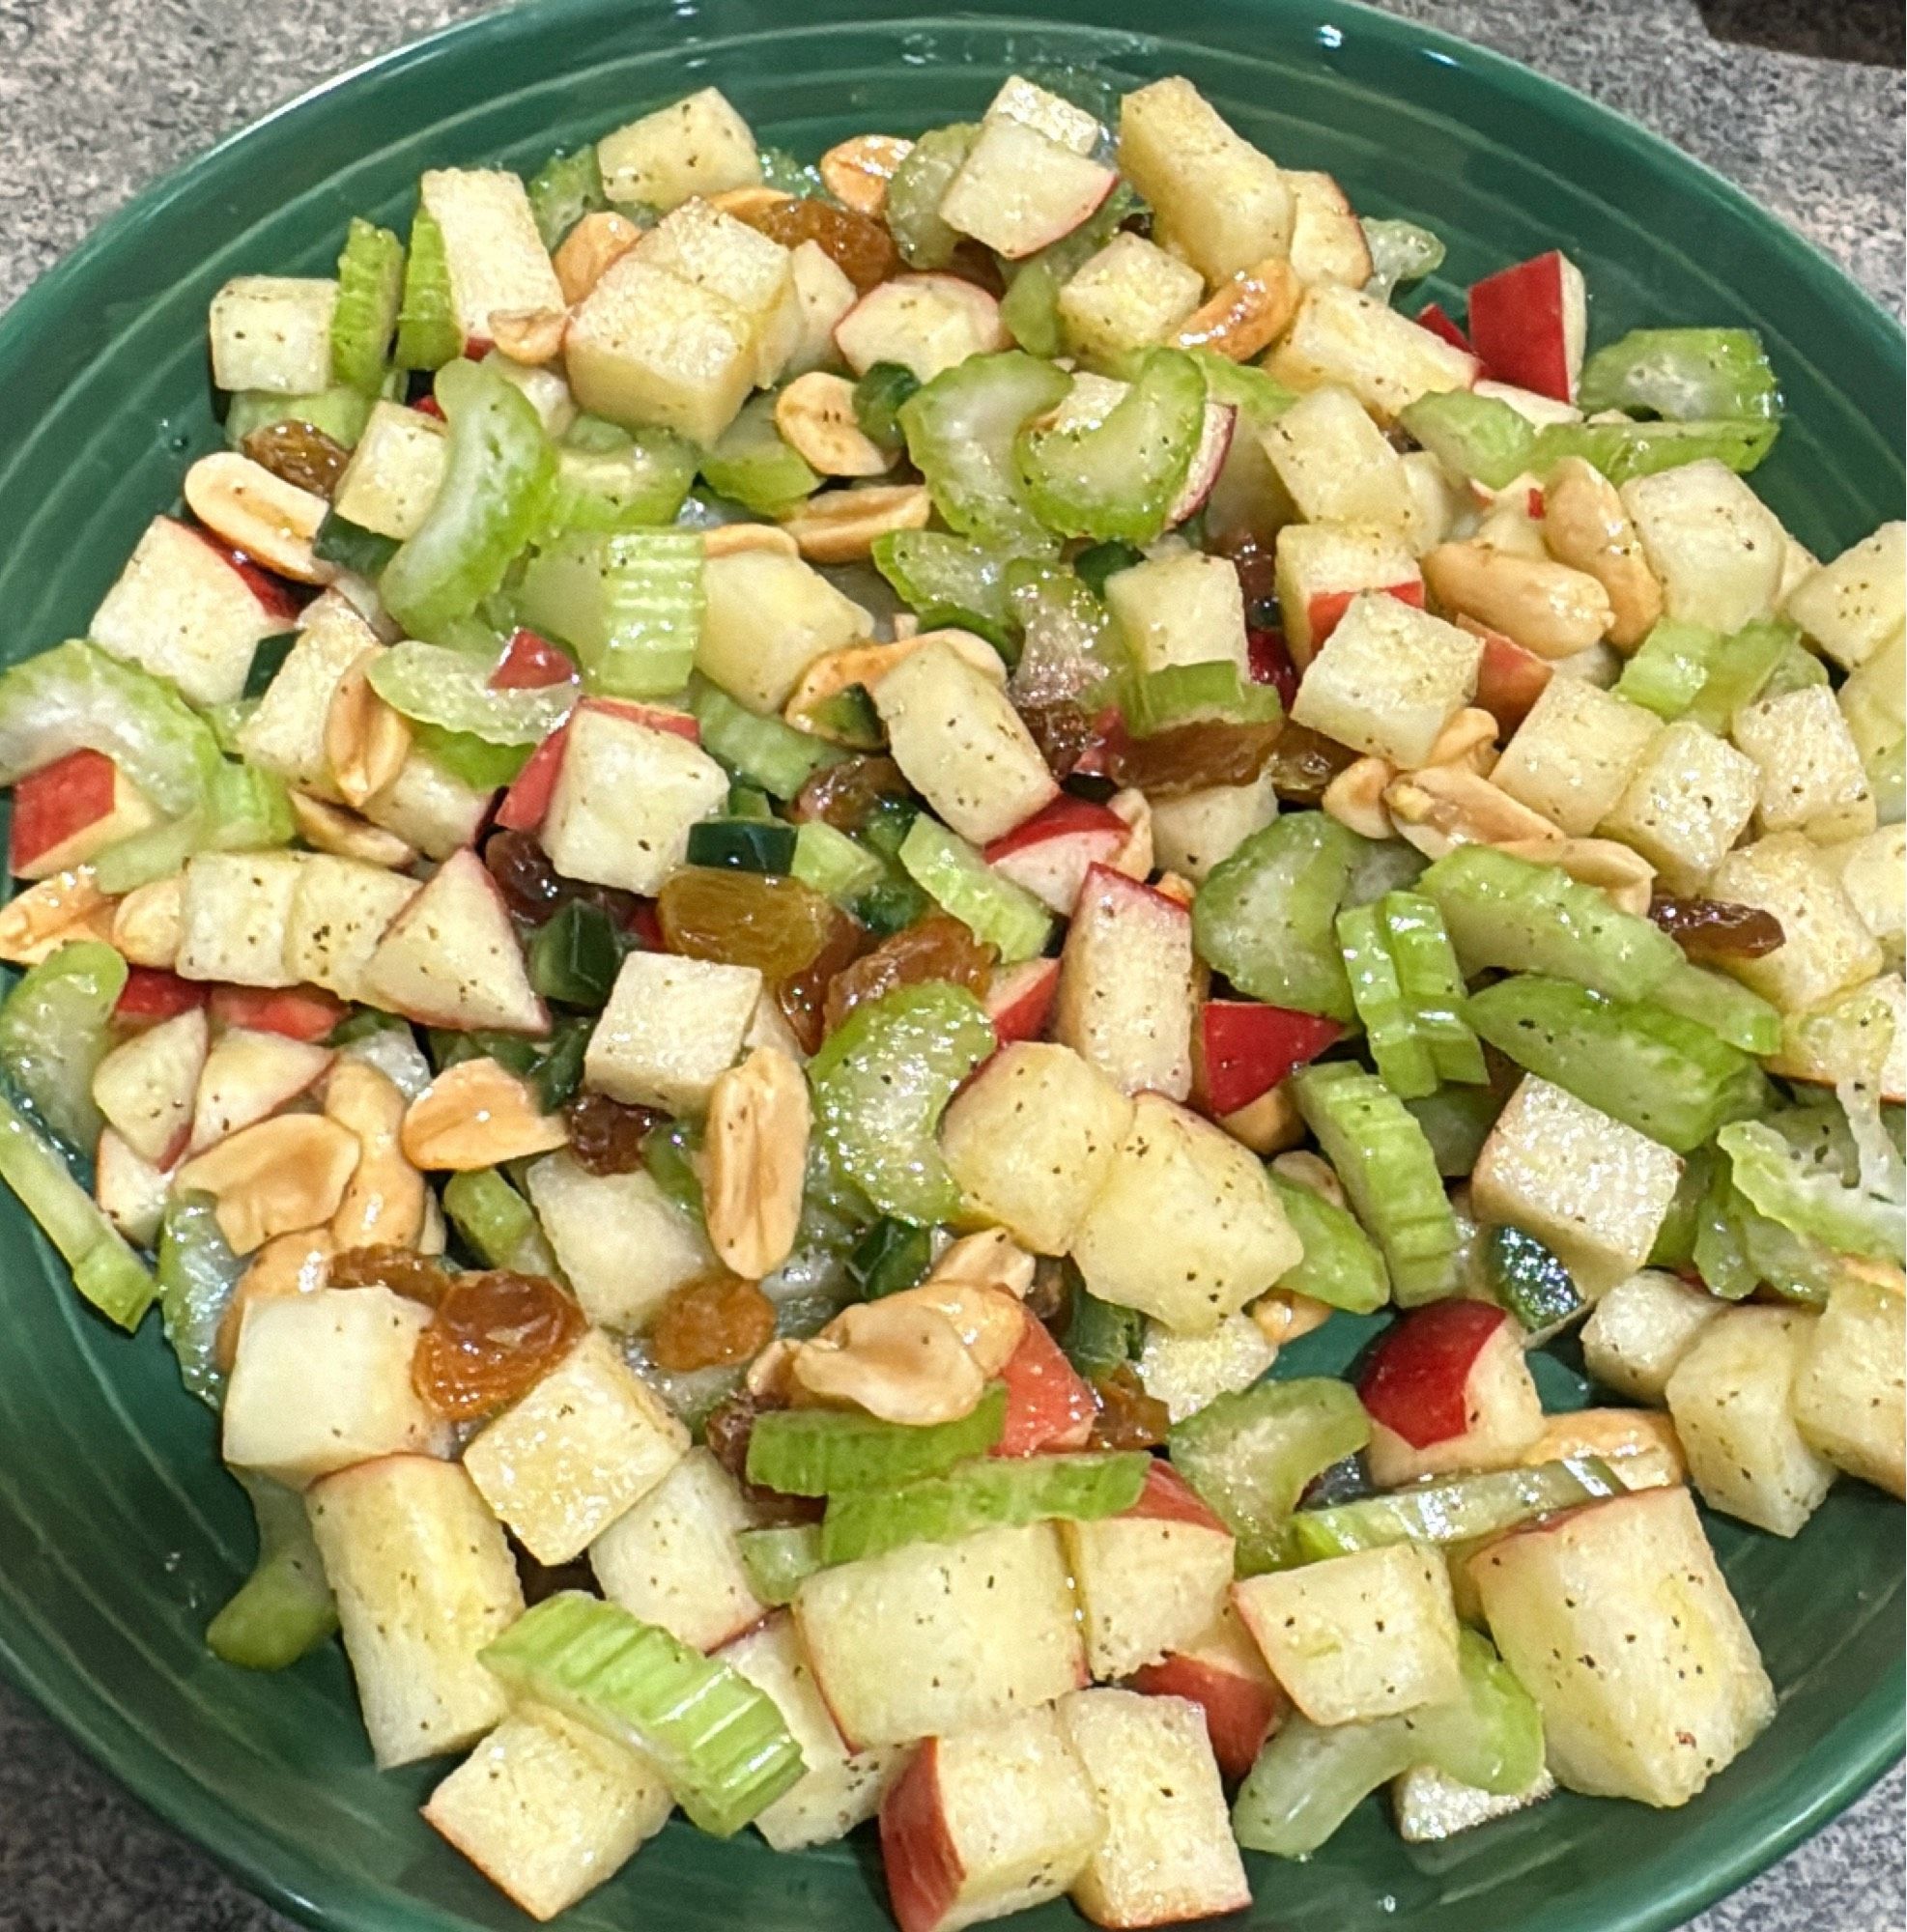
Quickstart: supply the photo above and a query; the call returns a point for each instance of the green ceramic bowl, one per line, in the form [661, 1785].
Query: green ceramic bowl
[117, 1534]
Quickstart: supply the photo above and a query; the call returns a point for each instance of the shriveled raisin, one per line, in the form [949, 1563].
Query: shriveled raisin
[1303, 762]
[300, 453]
[843, 794]
[605, 1136]
[493, 1337]
[414, 1276]
[764, 920]
[1128, 1417]
[938, 948]
[860, 247]
[802, 996]
[1064, 731]
[1191, 757]
[716, 1320]
[726, 1433]
[1256, 560]
[534, 888]
[1717, 929]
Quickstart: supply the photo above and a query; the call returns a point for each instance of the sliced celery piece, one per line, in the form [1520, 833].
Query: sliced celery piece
[881, 1081]
[1802, 1198]
[105, 1271]
[1387, 1171]
[565, 188]
[452, 689]
[629, 603]
[947, 581]
[1457, 1122]
[1194, 694]
[197, 1272]
[981, 1495]
[877, 399]
[832, 863]
[777, 1560]
[996, 910]
[464, 756]
[1478, 437]
[1341, 1263]
[751, 466]
[616, 479]
[1400, 251]
[1726, 1008]
[285, 1607]
[1250, 1456]
[54, 1032]
[1030, 309]
[1669, 668]
[1623, 451]
[1663, 1075]
[1686, 375]
[1452, 1509]
[1432, 985]
[496, 476]
[370, 292]
[913, 195]
[722, 1744]
[77, 698]
[822, 1452]
[1525, 917]
[500, 1225]
[1100, 1336]
[1403, 1056]
[246, 809]
[763, 751]
[427, 332]
[1739, 671]
[1263, 918]
[1069, 645]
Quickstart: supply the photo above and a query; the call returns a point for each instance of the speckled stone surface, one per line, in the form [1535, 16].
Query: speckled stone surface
[1799, 101]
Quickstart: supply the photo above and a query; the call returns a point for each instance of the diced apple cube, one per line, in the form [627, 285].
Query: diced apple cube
[1849, 1401]
[956, 735]
[145, 1085]
[1714, 547]
[935, 1637]
[926, 324]
[1224, 205]
[671, 1559]
[1730, 1398]
[1688, 797]
[394, 472]
[1618, 1621]
[825, 296]
[1224, 1672]
[729, 259]
[181, 611]
[1327, 239]
[1199, 830]
[274, 333]
[623, 1244]
[1131, 295]
[234, 916]
[1431, 1806]
[1127, 985]
[548, 1809]
[1530, 323]
[1342, 336]
[496, 258]
[1594, 1190]
[430, 808]
[1020, 190]
[1854, 605]
[1322, 566]
[451, 957]
[67, 813]
[286, 733]
[131, 1193]
[1057, 117]
[1186, 1227]
[1359, 1636]
[424, 1579]
[840, 1789]
[1186, 1372]
[1388, 680]
[1168, 1854]
[1642, 1328]
[1573, 757]
[1812, 779]
[247, 1076]
[646, 348]
[698, 144]
[322, 1380]
[986, 1823]
[1182, 610]
[1031, 1139]
[587, 1443]
[765, 619]
[1336, 465]
[340, 911]
[1825, 947]
[1873, 874]
[671, 1026]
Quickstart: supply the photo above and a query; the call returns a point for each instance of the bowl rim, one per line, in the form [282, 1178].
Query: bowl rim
[1852, 1755]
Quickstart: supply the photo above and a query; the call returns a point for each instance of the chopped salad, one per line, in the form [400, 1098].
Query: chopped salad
[789, 865]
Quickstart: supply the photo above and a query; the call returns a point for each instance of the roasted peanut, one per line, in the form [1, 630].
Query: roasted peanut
[755, 1158]
[366, 741]
[900, 1361]
[744, 202]
[1284, 1314]
[383, 1202]
[816, 415]
[771, 1375]
[1312, 1171]
[1618, 869]
[289, 1265]
[245, 505]
[857, 172]
[840, 526]
[34, 925]
[990, 1259]
[1445, 806]
[1545, 606]
[1267, 1125]
[730, 539]
[149, 921]
[276, 1177]
[1245, 315]
[1135, 857]
[477, 1114]
[330, 828]
[1355, 798]
[532, 336]
[1587, 528]
[589, 250]
[1469, 738]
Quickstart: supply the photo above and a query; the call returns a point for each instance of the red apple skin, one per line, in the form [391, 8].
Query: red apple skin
[1065, 817]
[1433, 318]
[1117, 888]
[1416, 1380]
[429, 406]
[272, 598]
[525, 803]
[531, 663]
[1518, 326]
[298, 1012]
[54, 805]
[1510, 677]
[1328, 606]
[1020, 1000]
[1168, 1497]
[1240, 1711]
[1243, 1048]
[1048, 1407]
[923, 1867]
[152, 994]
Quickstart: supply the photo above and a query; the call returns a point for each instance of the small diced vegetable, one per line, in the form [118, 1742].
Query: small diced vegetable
[1847, 1396]
[698, 146]
[1642, 1328]
[624, 1245]
[1826, 946]
[1575, 755]
[671, 1026]
[1388, 679]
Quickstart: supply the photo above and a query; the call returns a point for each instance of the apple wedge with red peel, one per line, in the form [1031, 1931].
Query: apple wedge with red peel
[1322, 567]
[531, 663]
[1323, 611]
[1447, 1388]
[1048, 1407]
[1510, 677]
[925, 322]
[130, 1192]
[1020, 190]
[145, 1085]
[1019, 1001]
[1530, 324]
[68, 811]
[1224, 1672]
[152, 994]
[1432, 316]
[1128, 980]
[1051, 852]
[526, 802]
[1208, 461]
[1243, 1048]
[247, 1076]
[298, 1012]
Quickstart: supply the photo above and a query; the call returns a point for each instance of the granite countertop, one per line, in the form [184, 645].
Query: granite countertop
[1798, 102]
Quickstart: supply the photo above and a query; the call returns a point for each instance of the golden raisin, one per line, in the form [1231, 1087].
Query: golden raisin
[494, 1336]
[1063, 730]
[843, 793]
[1128, 1417]
[1302, 763]
[414, 1276]
[605, 1136]
[938, 948]
[1191, 757]
[745, 919]
[802, 996]
[300, 453]
[716, 1320]
[861, 249]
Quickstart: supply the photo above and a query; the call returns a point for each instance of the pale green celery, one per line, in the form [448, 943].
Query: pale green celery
[565, 188]
[1723, 1005]
[1457, 1122]
[960, 430]
[914, 194]
[764, 752]
[285, 1607]
[998, 912]
[1400, 251]
[628, 603]
[1213, 692]
[1069, 645]
[1624, 450]
[370, 292]
[1780, 1184]
[1341, 1263]
[55, 1030]
[497, 478]
[779, 1559]
[1388, 1172]
[106, 1270]
[1263, 918]
[1402, 1055]
[500, 1225]
[1740, 670]
[427, 332]
[1432, 986]
[247, 809]
[880, 1083]
[825, 1452]
[947, 581]
[1686, 375]
[1667, 671]
[751, 466]
[451, 690]
[832, 863]
[77, 698]
[1475, 438]
[197, 1272]
[615, 479]
[1452, 1509]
